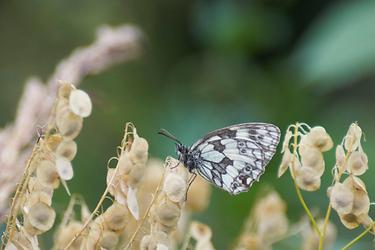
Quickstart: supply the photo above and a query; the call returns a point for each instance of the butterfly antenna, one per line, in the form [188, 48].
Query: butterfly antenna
[168, 135]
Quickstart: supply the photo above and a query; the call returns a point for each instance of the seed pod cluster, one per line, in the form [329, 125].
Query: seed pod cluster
[50, 162]
[124, 180]
[349, 197]
[202, 234]
[267, 223]
[166, 210]
[307, 163]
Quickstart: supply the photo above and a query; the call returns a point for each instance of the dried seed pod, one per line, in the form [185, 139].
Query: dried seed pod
[47, 174]
[319, 138]
[116, 217]
[158, 240]
[67, 149]
[357, 163]
[53, 141]
[285, 162]
[64, 168]
[307, 179]
[361, 201]
[109, 240]
[311, 239]
[353, 137]
[39, 196]
[175, 187]
[80, 103]
[341, 198]
[167, 213]
[269, 205]
[139, 150]
[252, 241]
[313, 158]
[68, 123]
[39, 219]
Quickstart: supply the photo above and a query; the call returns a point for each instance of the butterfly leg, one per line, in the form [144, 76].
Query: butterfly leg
[191, 180]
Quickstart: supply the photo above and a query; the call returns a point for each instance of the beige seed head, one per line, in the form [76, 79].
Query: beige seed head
[80, 103]
[341, 198]
[139, 150]
[350, 221]
[67, 149]
[64, 168]
[357, 163]
[167, 213]
[285, 162]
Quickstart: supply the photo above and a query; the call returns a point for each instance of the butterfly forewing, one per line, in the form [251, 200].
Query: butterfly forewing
[234, 157]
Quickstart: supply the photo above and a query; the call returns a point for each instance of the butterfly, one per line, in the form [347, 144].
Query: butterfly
[231, 158]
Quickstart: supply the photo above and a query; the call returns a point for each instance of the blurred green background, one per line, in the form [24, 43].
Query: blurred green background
[206, 64]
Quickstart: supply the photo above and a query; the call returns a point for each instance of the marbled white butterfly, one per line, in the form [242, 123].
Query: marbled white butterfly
[231, 158]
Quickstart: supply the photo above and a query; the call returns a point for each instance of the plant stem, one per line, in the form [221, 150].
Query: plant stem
[299, 193]
[350, 244]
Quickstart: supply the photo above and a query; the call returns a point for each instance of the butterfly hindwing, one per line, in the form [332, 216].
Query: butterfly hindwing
[234, 157]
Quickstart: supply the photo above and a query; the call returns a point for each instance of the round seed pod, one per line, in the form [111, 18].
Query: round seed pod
[269, 205]
[136, 174]
[273, 227]
[39, 219]
[53, 141]
[307, 179]
[139, 150]
[116, 217]
[39, 196]
[92, 239]
[285, 163]
[68, 123]
[109, 240]
[175, 187]
[67, 149]
[357, 163]
[80, 103]
[319, 138]
[124, 163]
[313, 158]
[67, 233]
[47, 174]
[64, 168]
[341, 198]
[200, 232]
[167, 213]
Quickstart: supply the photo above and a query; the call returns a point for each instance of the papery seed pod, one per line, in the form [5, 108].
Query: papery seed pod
[19, 241]
[175, 187]
[47, 174]
[319, 138]
[67, 149]
[39, 219]
[167, 213]
[340, 159]
[124, 163]
[357, 163]
[361, 201]
[115, 217]
[287, 138]
[91, 240]
[307, 179]
[198, 195]
[132, 202]
[341, 198]
[311, 239]
[68, 123]
[285, 162]
[158, 240]
[39, 196]
[353, 137]
[64, 168]
[67, 233]
[350, 221]
[313, 158]
[269, 205]
[251, 241]
[136, 174]
[109, 240]
[80, 103]
[139, 150]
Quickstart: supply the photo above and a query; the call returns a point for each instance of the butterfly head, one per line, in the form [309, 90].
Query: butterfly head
[181, 150]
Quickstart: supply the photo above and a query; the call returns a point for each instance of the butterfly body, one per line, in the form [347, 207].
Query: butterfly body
[231, 158]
